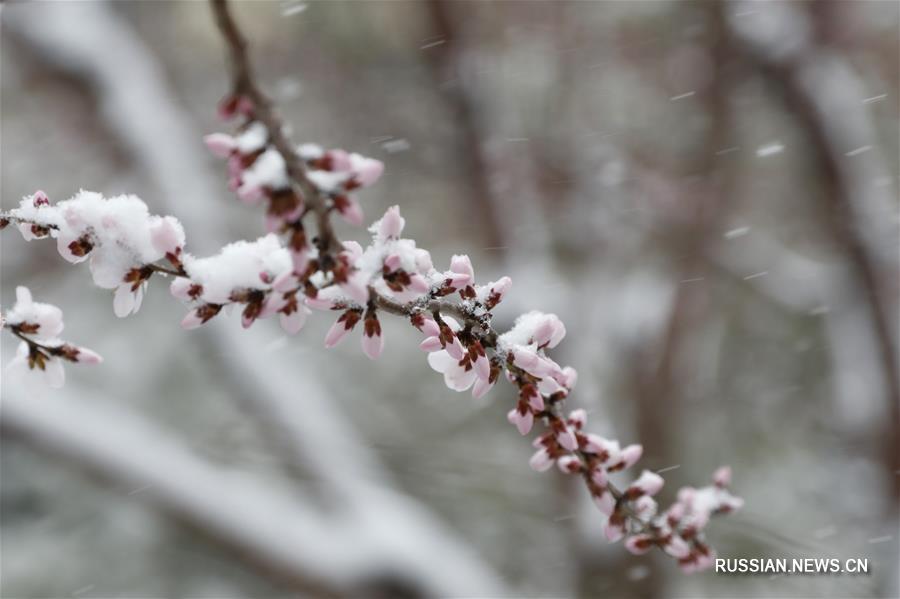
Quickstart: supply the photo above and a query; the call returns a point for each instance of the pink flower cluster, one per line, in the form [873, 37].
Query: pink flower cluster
[118, 236]
[470, 355]
[286, 274]
[336, 173]
[679, 529]
[633, 514]
[257, 172]
[38, 326]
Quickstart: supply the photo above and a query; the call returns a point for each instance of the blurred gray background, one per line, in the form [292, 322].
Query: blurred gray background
[705, 193]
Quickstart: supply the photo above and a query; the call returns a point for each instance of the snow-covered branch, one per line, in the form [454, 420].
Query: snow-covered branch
[825, 95]
[290, 272]
[273, 532]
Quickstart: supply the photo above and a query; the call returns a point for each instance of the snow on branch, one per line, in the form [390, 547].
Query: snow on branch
[291, 271]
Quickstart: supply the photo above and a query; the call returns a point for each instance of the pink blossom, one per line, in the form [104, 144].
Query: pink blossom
[167, 235]
[722, 476]
[192, 320]
[550, 331]
[356, 287]
[338, 160]
[577, 418]
[372, 345]
[548, 386]
[181, 288]
[605, 502]
[319, 303]
[250, 194]
[51, 372]
[39, 198]
[481, 387]
[286, 281]
[28, 232]
[677, 547]
[648, 483]
[607, 450]
[645, 507]
[523, 420]
[567, 439]
[631, 454]
[72, 247]
[482, 367]
[87, 356]
[675, 513]
[366, 171]
[599, 477]
[455, 348]
[372, 340]
[431, 344]
[430, 327]
[350, 211]
[352, 251]
[43, 352]
[569, 378]
[46, 317]
[393, 262]
[274, 303]
[492, 293]
[461, 272]
[529, 360]
[418, 284]
[701, 558]
[300, 259]
[447, 336]
[220, 144]
[456, 376]
[541, 460]
[569, 464]
[614, 529]
[391, 224]
[686, 495]
[639, 544]
[534, 399]
[127, 300]
[341, 327]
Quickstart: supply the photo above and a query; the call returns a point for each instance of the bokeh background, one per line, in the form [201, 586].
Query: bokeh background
[704, 192]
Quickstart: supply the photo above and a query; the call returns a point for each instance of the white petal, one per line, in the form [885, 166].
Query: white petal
[139, 297]
[123, 301]
[23, 297]
[441, 361]
[372, 346]
[54, 372]
[460, 379]
[293, 322]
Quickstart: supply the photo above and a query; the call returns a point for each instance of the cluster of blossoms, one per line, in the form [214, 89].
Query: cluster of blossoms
[288, 273]
[679, 529]
[125, 245]
[258, 173]
[118, 235]
[38, 326]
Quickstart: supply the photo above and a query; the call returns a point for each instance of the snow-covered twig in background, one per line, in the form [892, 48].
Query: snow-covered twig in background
[288, 273]
[282, 537]
[824, 94]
